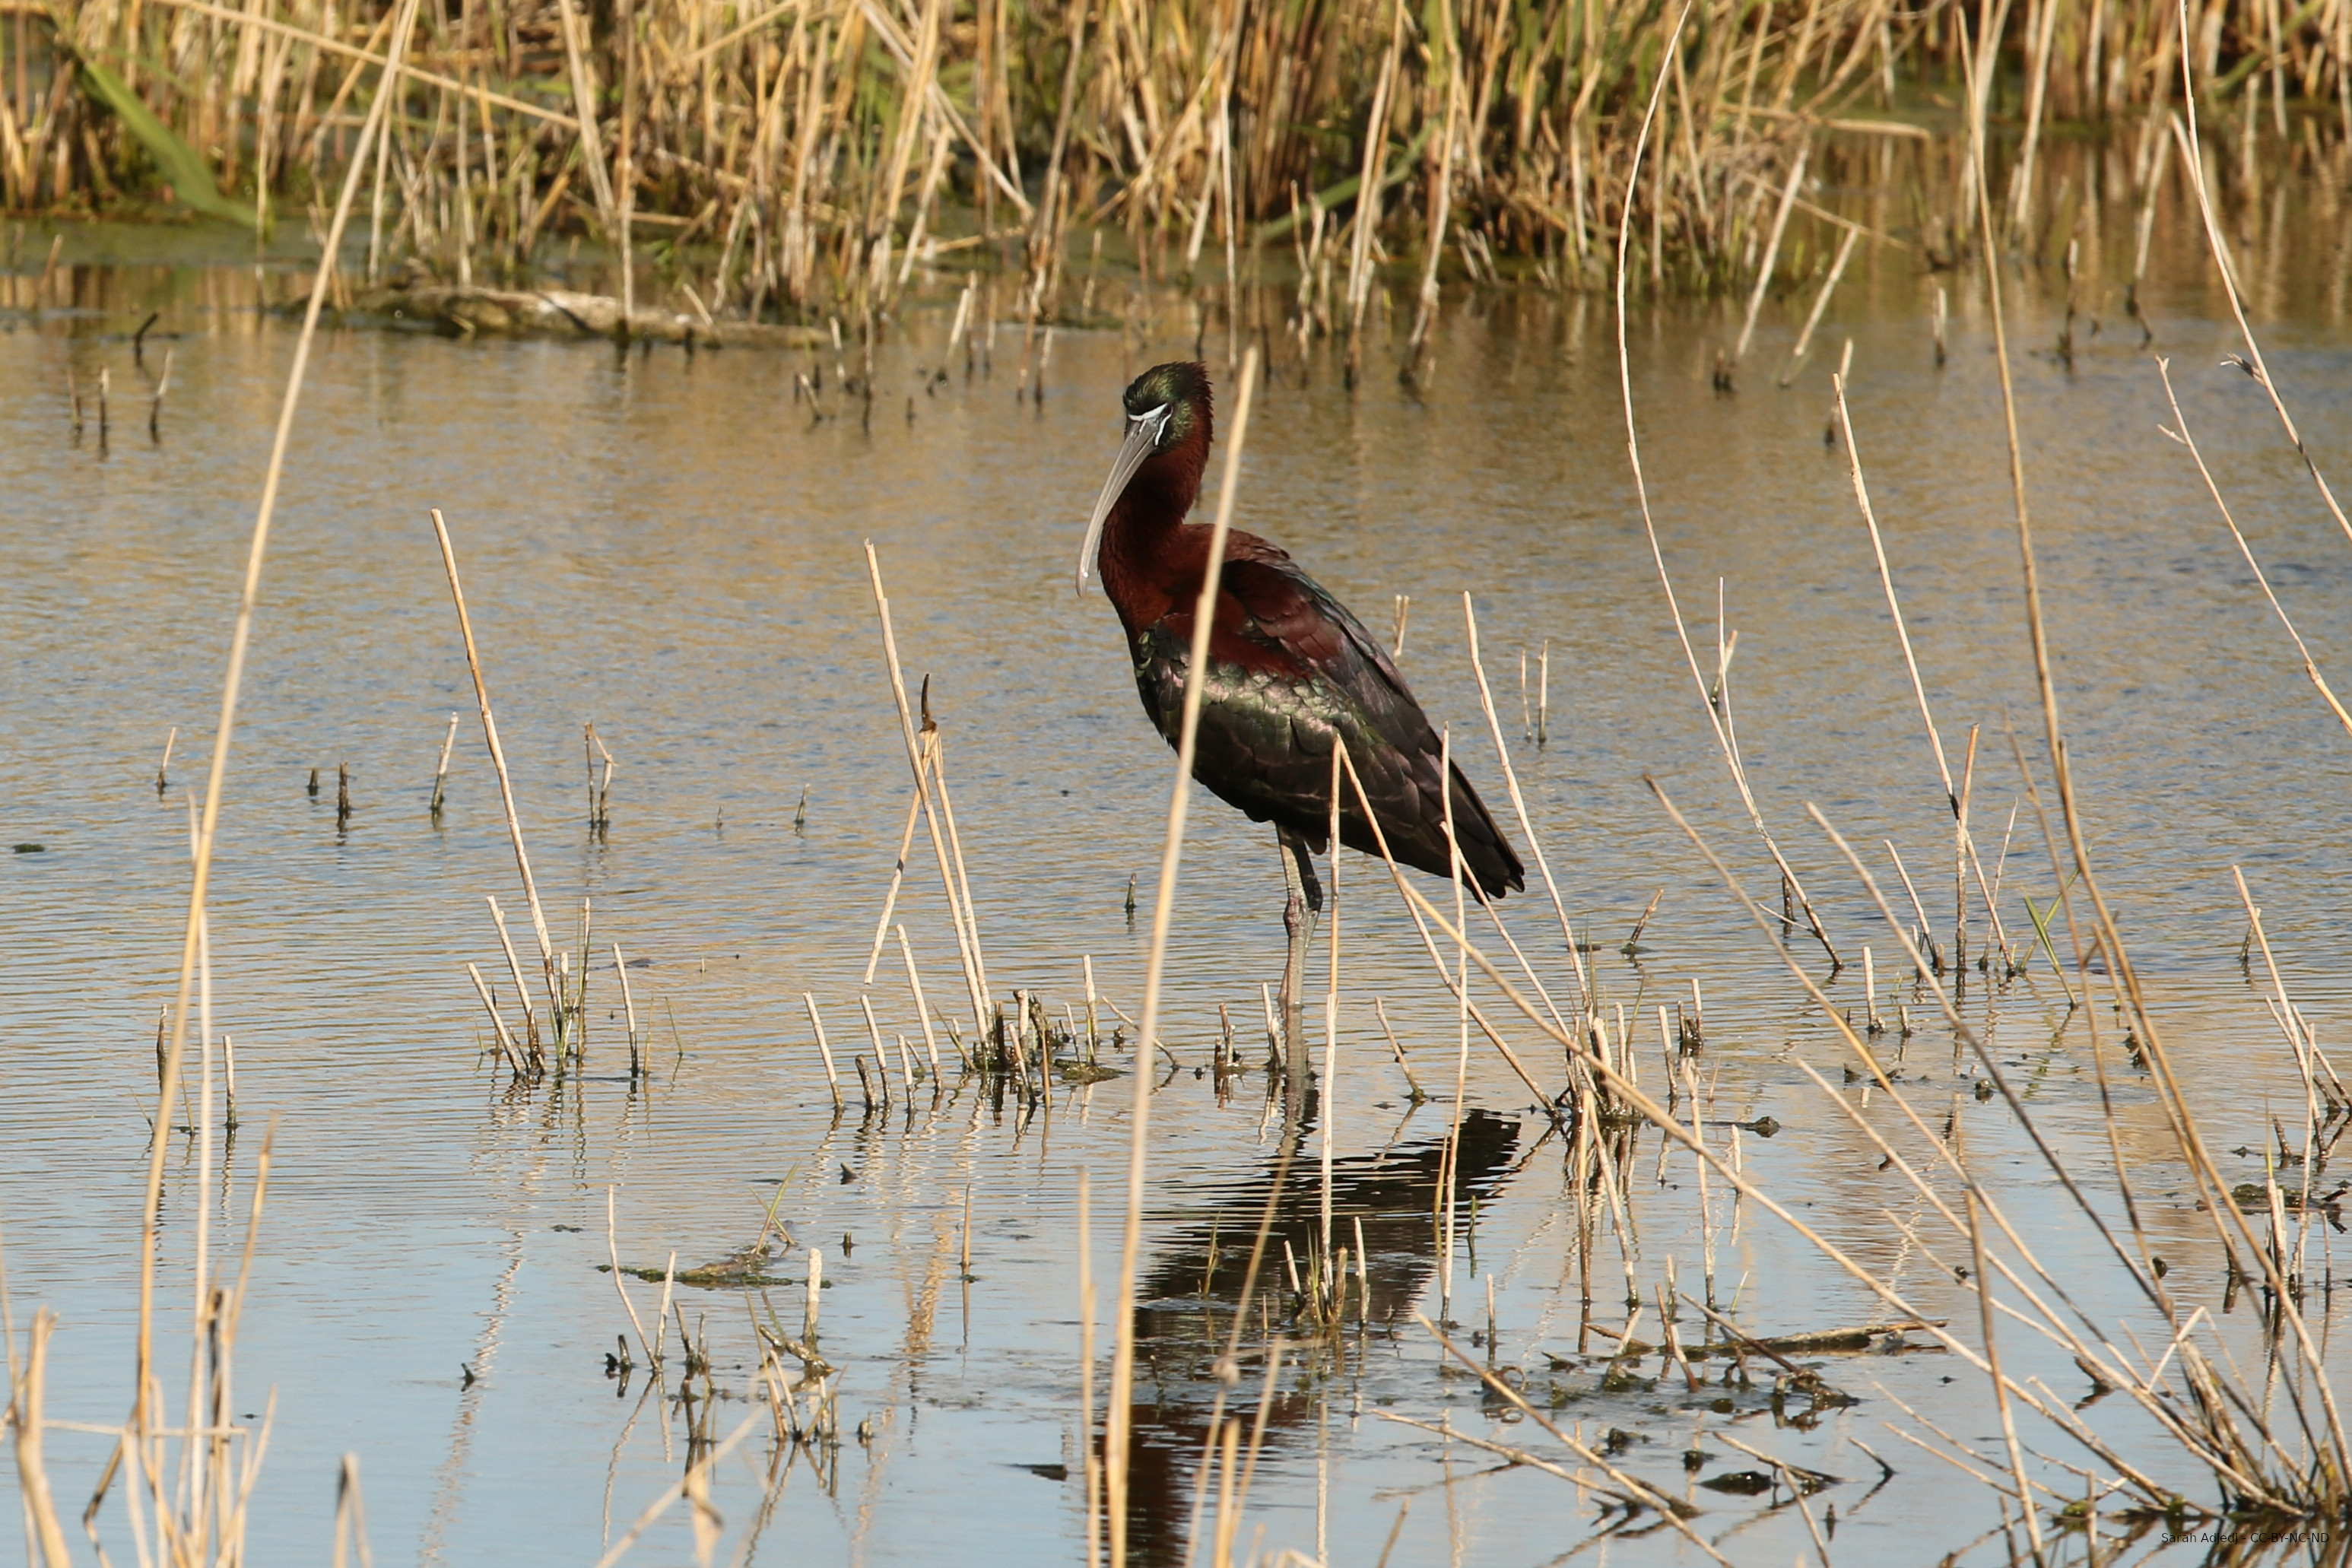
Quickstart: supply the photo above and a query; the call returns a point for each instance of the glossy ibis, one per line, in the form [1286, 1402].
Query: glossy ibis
[1290, 670]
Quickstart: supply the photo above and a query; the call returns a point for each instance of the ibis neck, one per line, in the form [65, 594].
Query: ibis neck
[1146, 559]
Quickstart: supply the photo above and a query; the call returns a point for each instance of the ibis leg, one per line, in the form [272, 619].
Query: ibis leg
[1303, 902]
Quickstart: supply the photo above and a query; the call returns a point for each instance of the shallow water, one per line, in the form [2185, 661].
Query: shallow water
[668, 546]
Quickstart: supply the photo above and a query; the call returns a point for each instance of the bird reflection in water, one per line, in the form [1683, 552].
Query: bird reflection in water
[1190, 1290]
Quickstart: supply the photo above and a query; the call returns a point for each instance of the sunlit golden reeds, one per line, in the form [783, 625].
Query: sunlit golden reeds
[803, 156]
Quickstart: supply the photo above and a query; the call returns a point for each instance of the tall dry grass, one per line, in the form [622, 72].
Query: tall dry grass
[820, 147]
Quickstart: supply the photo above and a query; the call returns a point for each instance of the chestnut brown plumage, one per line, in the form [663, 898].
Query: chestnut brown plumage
[1291, 671]
[1290, 668]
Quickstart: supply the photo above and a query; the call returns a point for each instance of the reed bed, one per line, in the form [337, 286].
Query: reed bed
[793, 160]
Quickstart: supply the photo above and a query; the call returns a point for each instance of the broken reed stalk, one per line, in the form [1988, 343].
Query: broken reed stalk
[523, 987]
[1543, 699]
[155, 407]
[898, 869]
[629, 1009]
[232, 683]
[2305, 1046]
[955, 841]
[498, 761]
[441, 768]
[1821, 303]
[967, 931]
[881, 1052]
[832, 1077]
[922, 1012]
[1116, 1426]
[1772, 245]
[613, 1252]
[1413, 1084]
[498, 1025]
[600, 790]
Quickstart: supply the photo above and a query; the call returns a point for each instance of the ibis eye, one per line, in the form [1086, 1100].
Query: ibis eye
[1155, 420]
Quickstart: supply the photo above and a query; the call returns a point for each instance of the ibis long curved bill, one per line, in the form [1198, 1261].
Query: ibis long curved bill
[1143, 433]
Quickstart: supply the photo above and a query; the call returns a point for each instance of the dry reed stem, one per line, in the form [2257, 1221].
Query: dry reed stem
[514, 967]
[2207, 1175]
[499, 760]
[1092, 1457]
[1380, 1006]
[922, 1012]
[26, 1415]
[2298, 1039]
[1122, 1380]
[2179, 431]
[512, 1057]
[1518, 803]
[351, 1513]
[967, 933]
[1716, 717]
[327, 45]
[1445, 1429]
[1821, 303]
[1273, 1354]
[2050, 1325]
[1449, 1163]
[1429, 944]
[955, 850]
[628, 1005]
[2195, 173]
[1630, 1095]
[2001, 1384]
[1772, 245]
[832, 1077]
[223, 733]
[897, 873]
[613, 1251]
[1330, 1011]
